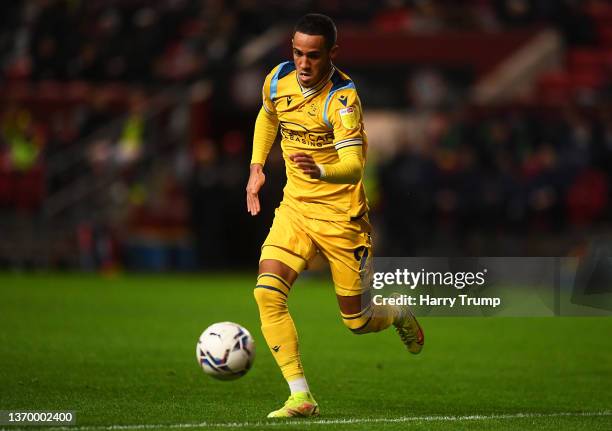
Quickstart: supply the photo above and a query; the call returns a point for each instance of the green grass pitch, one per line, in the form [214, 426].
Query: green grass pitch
[121, 351]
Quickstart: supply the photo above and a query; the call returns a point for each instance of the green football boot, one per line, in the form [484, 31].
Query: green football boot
[300, 404]
[409, 330]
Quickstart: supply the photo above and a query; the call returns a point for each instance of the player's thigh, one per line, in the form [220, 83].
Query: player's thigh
[287, 242]
[348, 248]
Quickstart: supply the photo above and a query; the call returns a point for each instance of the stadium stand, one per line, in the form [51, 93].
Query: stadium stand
[123, 120]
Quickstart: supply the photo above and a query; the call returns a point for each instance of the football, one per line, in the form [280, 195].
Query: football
[225, 351]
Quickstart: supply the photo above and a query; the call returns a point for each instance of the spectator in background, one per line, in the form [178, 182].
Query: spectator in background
[23, 139]
[132, 136]
[22, 183]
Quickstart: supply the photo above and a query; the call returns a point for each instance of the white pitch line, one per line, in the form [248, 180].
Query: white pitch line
[314, 422]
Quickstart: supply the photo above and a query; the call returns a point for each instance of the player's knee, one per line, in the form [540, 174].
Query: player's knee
[271, 290]
[272, 305]
[266, 298]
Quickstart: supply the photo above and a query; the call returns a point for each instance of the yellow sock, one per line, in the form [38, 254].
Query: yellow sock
[372, 318]
[277, 325]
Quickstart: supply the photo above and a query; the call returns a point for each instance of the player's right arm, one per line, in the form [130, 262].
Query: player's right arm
[266, 128]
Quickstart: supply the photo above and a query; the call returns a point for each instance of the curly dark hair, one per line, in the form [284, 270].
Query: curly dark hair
[317, 24]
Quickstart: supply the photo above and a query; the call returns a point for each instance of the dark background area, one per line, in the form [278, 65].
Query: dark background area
[126, 128]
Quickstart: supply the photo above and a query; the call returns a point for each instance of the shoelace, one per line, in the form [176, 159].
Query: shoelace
[406, 335]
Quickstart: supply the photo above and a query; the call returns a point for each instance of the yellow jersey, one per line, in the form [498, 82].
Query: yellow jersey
[317, 121]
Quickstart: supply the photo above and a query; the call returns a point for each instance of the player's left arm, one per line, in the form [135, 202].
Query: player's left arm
[343, 114]
[347, 171]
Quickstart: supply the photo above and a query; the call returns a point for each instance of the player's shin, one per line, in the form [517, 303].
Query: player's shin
[277, 326]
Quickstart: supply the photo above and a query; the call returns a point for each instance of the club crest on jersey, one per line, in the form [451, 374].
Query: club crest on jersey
[349, 117]
[343, 99]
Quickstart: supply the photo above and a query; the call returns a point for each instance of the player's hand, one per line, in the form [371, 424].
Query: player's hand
[307, 164]
[256, 180]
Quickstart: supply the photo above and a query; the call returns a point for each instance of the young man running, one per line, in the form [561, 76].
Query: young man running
[324, 208]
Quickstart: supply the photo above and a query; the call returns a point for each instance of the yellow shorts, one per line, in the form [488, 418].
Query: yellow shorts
[347, 245]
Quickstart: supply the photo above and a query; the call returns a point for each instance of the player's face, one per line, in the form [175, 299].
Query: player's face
[311, 57]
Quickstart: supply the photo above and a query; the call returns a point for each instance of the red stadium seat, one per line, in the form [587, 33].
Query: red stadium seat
[605, 35]
[584, 58]
[555, 87]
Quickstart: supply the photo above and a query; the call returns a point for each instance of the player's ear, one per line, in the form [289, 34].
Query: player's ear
[333, 52]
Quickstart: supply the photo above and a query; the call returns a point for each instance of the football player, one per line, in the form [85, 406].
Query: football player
[324, 207]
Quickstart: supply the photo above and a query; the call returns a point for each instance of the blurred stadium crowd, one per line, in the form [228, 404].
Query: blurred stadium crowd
[126, 127]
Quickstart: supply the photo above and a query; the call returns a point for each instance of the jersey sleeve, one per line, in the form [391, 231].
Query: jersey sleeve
[266, 125]
[344, 115]
[267, 103]
[266, 128]
[348, 170]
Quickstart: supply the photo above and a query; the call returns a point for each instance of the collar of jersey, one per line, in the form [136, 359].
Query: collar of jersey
[307, 92]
